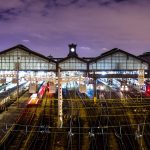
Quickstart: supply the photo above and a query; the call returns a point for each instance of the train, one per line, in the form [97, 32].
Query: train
[50, 89]
[41, 91]
[36, 98]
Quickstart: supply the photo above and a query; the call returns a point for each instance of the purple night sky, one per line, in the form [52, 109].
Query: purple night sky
[48, 26]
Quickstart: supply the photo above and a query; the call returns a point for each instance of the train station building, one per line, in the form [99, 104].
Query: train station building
[115, 63]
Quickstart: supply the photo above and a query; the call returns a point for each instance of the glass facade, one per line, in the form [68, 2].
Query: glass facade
[118, 61]
[73, 64]
[30, 61]
[26, 60]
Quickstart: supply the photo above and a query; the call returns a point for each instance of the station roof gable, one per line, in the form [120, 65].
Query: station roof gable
[69, 57]
[24, 48]
[114, 51]
[145, 56]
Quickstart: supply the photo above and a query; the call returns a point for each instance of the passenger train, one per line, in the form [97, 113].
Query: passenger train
[36, 98]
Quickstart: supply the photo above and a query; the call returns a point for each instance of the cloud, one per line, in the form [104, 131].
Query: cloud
[26, 41]
[9, 14]
[10, 4]
[104, 49]
[65, 2]
[92, 24]
[84, 48]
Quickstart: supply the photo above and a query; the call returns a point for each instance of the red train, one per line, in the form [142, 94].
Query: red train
[37, 97]
[34, 100]
[50, 89]
[41, 92]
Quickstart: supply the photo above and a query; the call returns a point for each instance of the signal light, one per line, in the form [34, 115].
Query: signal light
[148, 89]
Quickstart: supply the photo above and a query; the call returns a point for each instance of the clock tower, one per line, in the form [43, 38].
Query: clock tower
[72, 50]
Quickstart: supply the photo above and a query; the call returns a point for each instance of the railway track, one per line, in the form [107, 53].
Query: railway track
[123, 130]
[40, 137]
[75, 123]
[86, 125]
[97, 140]
[68, 137]
[18, 132]
[140, 106]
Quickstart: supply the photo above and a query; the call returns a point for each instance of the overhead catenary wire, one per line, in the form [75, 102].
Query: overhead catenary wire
[96, 107]
[63, 127]
[43, 128]
[65, 132]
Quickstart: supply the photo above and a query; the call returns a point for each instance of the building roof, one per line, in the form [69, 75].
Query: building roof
[27, 50]
[115, 50]
[144, 57]
[72, 56]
